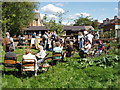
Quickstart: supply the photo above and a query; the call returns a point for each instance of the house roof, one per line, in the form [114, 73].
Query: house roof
[66, 28]
[74, 28]
[32, 28]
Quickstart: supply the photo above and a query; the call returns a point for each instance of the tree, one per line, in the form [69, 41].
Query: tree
[95, 24]
[83, 21]
[17, 15]
[52, 25]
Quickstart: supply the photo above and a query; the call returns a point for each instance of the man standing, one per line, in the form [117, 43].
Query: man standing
[45, 40]
[90, 37]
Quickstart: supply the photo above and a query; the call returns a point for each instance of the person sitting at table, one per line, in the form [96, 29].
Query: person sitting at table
[87, 46]
[69, 50]
[85, 49]
[100, 47]
[40, 55]
[12, 56]
[57, 49]
[29, 55]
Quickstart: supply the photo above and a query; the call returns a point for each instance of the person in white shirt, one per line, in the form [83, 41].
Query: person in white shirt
[80, 40]
[57, 49]
[90, 37]
[40, 55]
[87, 47]
[28, 55]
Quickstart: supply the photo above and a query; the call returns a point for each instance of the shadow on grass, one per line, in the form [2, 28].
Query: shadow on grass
[53, 63]
[19, 75]
[77, 57]
[28, 73]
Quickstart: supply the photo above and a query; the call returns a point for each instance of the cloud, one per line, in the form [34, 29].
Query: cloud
[71, 17]
[101, 21]
[51, 9]
[60, 4]
[77, 14]
[85, 14]
[116, 8]
[82, 14]
[42, 15]
[36, 11]
[51, 16]
[67, 23]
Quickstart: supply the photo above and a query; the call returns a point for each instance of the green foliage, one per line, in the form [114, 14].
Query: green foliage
[106, 61]
[109, 60]
[17, 15]
[95, 24]
[108, 34]
[68, 74]
[52, 25]
[83, 21]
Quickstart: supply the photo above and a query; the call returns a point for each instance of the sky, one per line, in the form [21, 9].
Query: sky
[72, 10]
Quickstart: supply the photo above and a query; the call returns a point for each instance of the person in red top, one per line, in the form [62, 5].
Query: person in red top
[100, 47]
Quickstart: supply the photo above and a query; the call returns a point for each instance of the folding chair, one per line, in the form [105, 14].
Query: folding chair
[29, 65]
[57, 57]
[43, 64]
[11, 64]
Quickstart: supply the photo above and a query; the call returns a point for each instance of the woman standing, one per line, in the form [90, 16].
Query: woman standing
[80, 40]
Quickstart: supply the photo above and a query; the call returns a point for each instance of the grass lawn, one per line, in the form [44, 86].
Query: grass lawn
[68, 74]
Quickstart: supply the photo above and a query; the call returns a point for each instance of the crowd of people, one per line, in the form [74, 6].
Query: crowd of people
[52, 42]
[86, 44]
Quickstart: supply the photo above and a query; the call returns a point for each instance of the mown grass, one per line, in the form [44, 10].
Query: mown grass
[65, 75]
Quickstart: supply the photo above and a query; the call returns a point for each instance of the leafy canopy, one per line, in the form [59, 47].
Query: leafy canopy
[52, 24]
[17, 15]
[83, 21]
